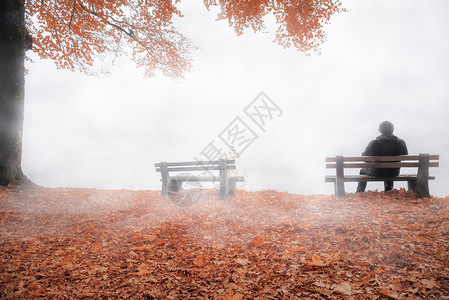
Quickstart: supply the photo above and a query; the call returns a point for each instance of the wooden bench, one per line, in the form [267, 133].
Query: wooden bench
[418, 182]
[173, 183]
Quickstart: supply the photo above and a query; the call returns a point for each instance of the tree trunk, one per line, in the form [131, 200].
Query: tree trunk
[14, 41]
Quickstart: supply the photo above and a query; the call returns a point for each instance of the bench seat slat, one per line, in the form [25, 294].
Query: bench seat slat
[382, 158]
[357, 178]
[198, 168]
[382, 165]
[195, 163]
[183, 178]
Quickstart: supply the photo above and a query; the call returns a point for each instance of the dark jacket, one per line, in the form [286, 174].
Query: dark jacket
[385, 145]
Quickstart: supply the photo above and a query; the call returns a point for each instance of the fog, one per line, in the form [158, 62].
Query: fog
[383, 60]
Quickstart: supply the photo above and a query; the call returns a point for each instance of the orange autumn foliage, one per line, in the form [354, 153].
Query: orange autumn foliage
[75, 33]
[300, 23]
[71, 243]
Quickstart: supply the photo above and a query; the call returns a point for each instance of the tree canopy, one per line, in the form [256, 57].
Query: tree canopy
[75, 33]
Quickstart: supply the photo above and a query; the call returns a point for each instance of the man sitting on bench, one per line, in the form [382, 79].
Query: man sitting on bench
[385, 144]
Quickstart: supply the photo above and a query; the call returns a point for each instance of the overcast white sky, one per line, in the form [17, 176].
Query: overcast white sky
[384, 60]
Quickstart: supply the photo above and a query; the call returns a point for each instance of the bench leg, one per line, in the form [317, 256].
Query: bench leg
[423, 175]
[164, 190]
[339, 189]
[224, 192]
[423, 188]
[411, 185]
[339, 180]
[224, 180]
[223, 189]
[164, 178]
[420, 187]
[232, 184]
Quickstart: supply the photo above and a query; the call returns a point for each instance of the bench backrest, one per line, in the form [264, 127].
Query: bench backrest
[195, 166]
[400, 161]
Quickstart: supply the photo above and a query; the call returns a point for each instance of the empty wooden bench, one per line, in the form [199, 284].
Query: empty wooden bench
[173, 174]
[418, 182]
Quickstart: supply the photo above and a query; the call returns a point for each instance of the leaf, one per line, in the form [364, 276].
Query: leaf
[149, 237]
[296, 249]
[411, 226]
[421, 239]
[317, 261]
[143, 248]
[343, 288]
[430, 283]
[96, 247]
[142, 271]
[242, 261]
[389, 293]
[200, 261]
[258, 241]
[232, 296]
[396, 287]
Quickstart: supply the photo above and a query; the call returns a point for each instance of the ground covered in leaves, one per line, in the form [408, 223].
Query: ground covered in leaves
[85, 243]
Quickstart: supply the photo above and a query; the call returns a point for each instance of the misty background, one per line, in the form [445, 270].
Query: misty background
[383, 60]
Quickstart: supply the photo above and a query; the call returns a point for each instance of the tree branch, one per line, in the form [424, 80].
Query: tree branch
[129, 33]
[73, 13]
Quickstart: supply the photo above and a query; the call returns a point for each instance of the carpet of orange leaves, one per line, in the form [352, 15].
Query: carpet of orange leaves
[85, 243]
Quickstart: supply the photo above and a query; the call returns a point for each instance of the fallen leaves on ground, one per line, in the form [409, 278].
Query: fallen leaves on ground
[85, 243]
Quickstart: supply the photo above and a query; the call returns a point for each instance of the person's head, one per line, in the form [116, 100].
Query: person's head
[386, 128]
